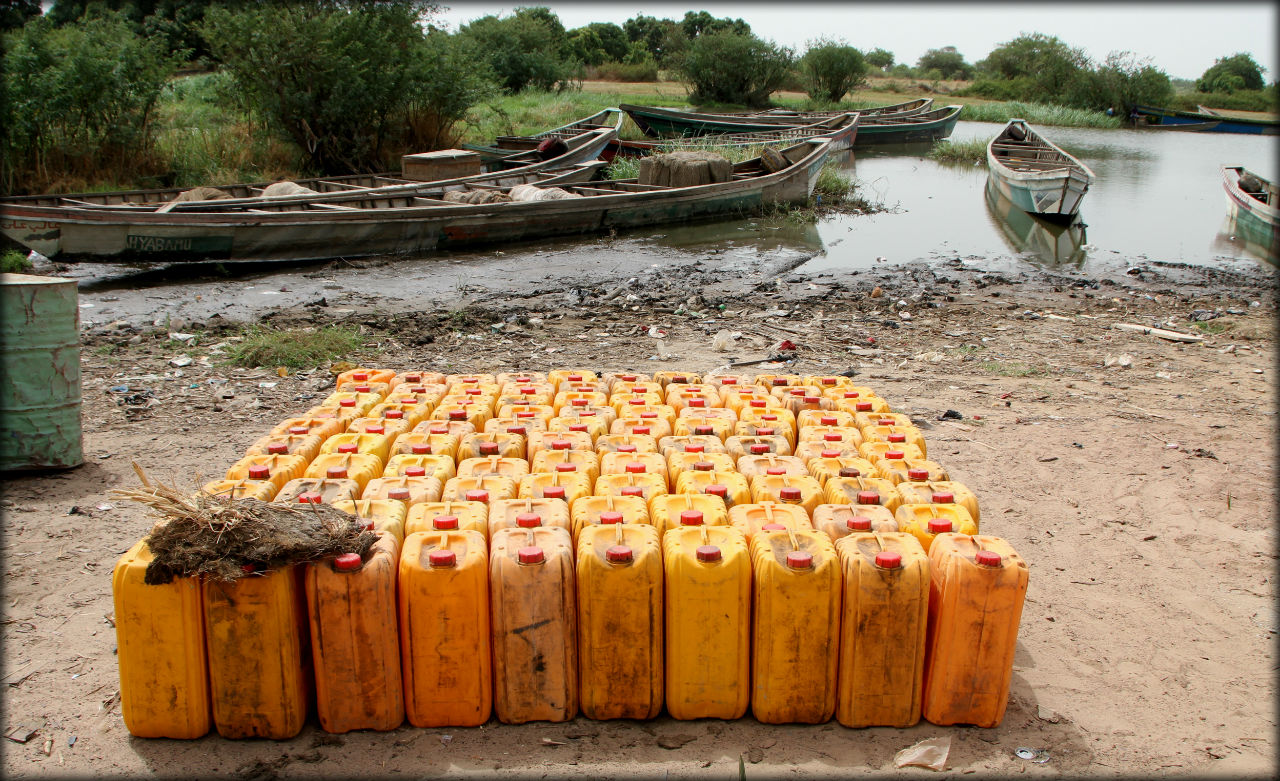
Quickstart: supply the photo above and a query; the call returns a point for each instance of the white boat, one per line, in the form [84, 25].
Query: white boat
[1036, 175]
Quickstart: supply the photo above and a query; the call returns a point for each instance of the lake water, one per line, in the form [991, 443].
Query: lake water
[1158, 196]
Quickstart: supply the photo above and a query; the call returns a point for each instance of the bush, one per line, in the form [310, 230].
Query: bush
[623, 71]
[831, 69]
[726, 67]
[350, 86]
[524, 50]
[1121, 83]
[14, 262]
[296, 348]
[1231, 74]
[946, 62]
[1243, 100]
[80, 97]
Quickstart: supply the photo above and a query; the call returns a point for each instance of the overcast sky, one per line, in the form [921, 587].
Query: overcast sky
[1182, 39]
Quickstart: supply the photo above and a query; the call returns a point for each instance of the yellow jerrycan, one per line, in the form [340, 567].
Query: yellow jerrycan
[354, 639]
[355, 442]
[619, 574]
[678, 462]
[732, 487]
[448, 516]
[305, 445]
[795, 627]
[895, 465]
[841, 520]
[861, 490]
[634, 463]
[592, 510]
[160, 641]
[361, 467]
[708, 622]
[439, 467]
[444, 629]
[750, 519]
[489, 444]
[897, 435]
[976, 590]
[528, 513]
[317, 490]
[625, 443]
[671, 511]
[826, 467]
[262, 490]
[693, 443]
[568, 486]
[259, 653]
[927, 521]
[919, 489]
[493, 466]
[534, 625]
[583, 461]
[770, 464]
[882, 629]
[276, 469]
[386, 515]
[800, 490]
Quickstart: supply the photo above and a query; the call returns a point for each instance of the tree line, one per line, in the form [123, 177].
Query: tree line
[351, 83]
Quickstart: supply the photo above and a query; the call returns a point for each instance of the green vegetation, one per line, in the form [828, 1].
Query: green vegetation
[831, 68]
[727, 67]
[968, 152]
[879, 58]
[944, 63]
[14, 262]
[1038, 114]
[1212, 326]
[295, 348]
[1013, 369]
[527, 50]
[1229, 74]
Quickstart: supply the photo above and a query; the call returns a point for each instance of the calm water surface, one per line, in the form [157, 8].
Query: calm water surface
[1158, 195]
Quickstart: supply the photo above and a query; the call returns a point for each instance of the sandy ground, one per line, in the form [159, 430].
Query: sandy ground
[1135, 475]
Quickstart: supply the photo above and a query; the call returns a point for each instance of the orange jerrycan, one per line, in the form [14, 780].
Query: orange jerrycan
[732, 487]
[827, 381]
[259, 654]
[301, 426]
[668, 378]
[840, 520]
[568, 486]
[515, 426]
[768, 516]
[850, 392]
[798, 390]
[882, 629]
[832, 436]
[534, 625]
[528, 513]
[409, 409]
[489, 444]
[305, 445]
[619, 574]
[418, 377]
[164, 675]
[386, 515]
[977, 587]
[355, 639]
[727, 381]
[317, 490]
[769, 464]
[559, 440]
[918, 489]
[379, 388]
[671, 511]
[365, 374]
[860, 404]
[493, 466]
[444, 629]
[388, 427]
[478, 489]
[626, 443]
[708, 622]
[693, 443]
[739, 446]
[448, 516]
[557, 376]
[927, 521]
[810, 401]
[408, 488]
[264, 490]
[421, 443]
[612, 379]
[592, 510]
[361, 402]
[772, 381]
[861, 490]
[826, 467]
[800, 490]
[276, 469]
[796, 627]
[439, 467]
[361, 467]
[653, 427]
[583, 461]
[344, 412]
[454, 428]
[895, 466]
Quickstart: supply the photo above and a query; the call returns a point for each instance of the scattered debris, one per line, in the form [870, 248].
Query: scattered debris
[21, 733]
[930, 753]
[1173, 336]
[1037, 755]
[951, 415]
[550, 742]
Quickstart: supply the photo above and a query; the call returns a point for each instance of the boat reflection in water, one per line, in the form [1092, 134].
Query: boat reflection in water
[1052, 243]
[1235, 240]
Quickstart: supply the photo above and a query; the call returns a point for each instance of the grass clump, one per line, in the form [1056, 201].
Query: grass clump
[1013, 369]
[968, 152]
[1039, 114]
[14, 262]
[295, 348]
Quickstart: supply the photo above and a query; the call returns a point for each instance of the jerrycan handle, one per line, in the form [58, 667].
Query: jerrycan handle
[791, 536]
[528, 504]
[706, 536]
[768, 512]
[688, 501]
[608, 501]
[617, 534]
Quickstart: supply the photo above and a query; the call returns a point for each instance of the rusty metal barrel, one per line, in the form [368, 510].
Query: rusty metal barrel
[39, 373]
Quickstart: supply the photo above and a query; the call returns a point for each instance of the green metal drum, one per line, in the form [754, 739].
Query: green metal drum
[39, 373]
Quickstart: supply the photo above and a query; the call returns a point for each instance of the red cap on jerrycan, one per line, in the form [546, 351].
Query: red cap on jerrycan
[773, 527]
[868, 497]
[348, 447]
[917, 475]
[415, 471]
[859, 523]
[528, 520]
[631, 490]
[789, 493]
[335, 472]
[530, 555]
[618, 554]
[444, 522]
[348, 562]
[553, 492]
[277, 449]
[889, 559]
[847, 471]
[943, 497]
[798, 559]
[897, 437]
[420, 448]
[776, 470]
[259, 472]
[476, 495]
[717, 489]
[708, 553]
[939, 525]
[987, 558]
[690, 517]
[488, 448]
[635, 467]
[758, 448]
[442, 558]
[610, 516]
[399, 494]
[565, 466]
[359, 376]
[627, 447]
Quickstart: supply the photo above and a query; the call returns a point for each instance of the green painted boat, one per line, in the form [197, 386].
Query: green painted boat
[39, 373]
[1255, 210]
[1049, 242]
[1036, 175]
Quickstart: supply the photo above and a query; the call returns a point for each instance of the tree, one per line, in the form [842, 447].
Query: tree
[831, 68]
[660, 37]
[697, 23]
[1033, 55]
[1228, 74]
[612, 39]
[880, 58]
[15, 13]
[344, 82]
[947, 61]
[726, 67]
[586, 47]
[523, 50]
[1122, 82]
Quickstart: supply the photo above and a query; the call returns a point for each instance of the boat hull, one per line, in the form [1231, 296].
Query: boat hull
[1035, 175]
[1256, 223]
[1166, 116]
[106, 236]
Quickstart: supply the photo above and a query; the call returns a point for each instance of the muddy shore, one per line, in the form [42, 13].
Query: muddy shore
[1134, 474]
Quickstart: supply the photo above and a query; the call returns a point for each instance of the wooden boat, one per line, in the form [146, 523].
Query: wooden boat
[415, 223]
[505, 147]
[512, 169]
[1053, 243]
[1190, 127]
[1255, 208]
[841, 130]
[660, 122]
[909, 107]
[1226, 124]
[928, 126]
[1035, 175]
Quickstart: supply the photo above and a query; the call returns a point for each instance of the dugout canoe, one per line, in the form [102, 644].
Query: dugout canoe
[661, 122]
[507, 149]
[1255, 208]
[841, 130]
[1225, 124]
[415, 223]
[1035, 174]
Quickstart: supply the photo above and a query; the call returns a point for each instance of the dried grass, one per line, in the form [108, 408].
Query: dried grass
[216, 536]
